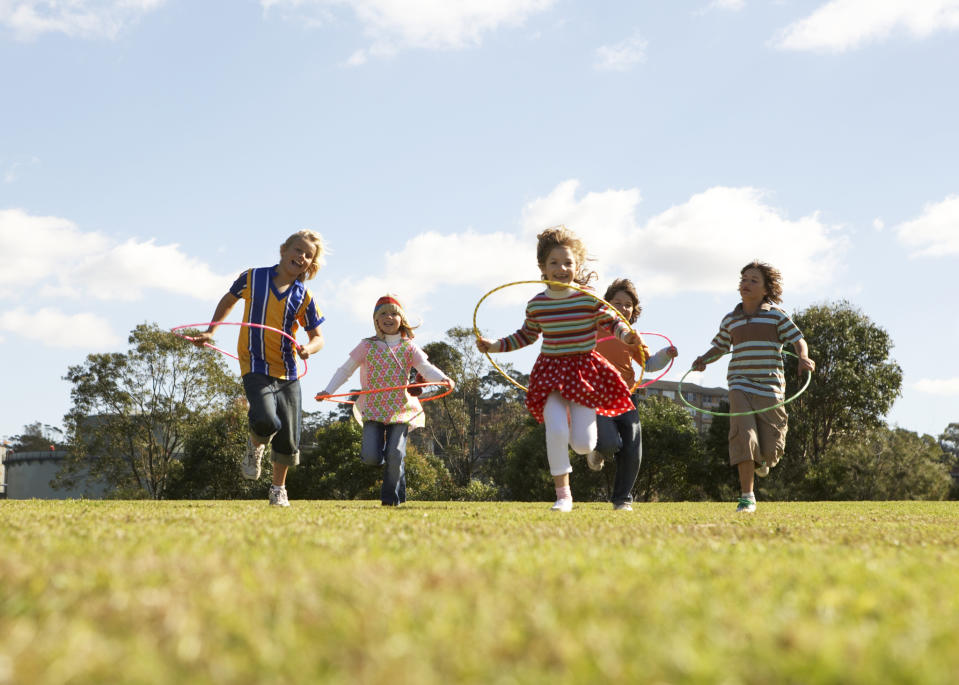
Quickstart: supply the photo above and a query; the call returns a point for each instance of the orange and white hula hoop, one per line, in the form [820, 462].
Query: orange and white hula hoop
[369, 391]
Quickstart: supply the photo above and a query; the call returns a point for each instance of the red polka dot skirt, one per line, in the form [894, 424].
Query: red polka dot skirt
[586, 379]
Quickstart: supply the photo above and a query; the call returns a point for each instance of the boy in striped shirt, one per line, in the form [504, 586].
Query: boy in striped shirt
[756, 330]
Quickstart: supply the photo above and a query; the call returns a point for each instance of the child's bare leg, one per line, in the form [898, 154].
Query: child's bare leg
[279, 474]
[747, 472]
[561, 481]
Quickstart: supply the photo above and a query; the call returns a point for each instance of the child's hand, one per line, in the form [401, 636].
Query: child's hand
[486, 345]
[303, 352]
[202, 338]
[698, 364]
[672, 352]
[806, 364]
[632, 339]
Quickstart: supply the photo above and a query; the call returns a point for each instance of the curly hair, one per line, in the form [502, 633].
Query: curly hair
[316, 240]
[560, 236]
[624, 285]
[772, 279]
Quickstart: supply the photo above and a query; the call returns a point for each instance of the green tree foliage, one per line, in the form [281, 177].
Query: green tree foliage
[671, 446]
[711, 473]
[881, 464]
[949, 442]
[37, 437]
[474, 426]
[211, 458]
[522, 473]
[853, 387]
[133, 411]
[331, 468]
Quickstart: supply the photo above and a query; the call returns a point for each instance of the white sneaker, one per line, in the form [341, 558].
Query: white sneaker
[278, 496]
[746, 506]
[565, 504]
[762, 469]
[625, 506]
[595, 460]
[250, 466]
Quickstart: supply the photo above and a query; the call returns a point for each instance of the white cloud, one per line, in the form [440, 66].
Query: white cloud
[53, 257]
[841, 25]
[75, 18]
[50, 327]
[392, 25]
[621, 56]
[728, 5]
[939, 386]
[935, 232]
[698, 246]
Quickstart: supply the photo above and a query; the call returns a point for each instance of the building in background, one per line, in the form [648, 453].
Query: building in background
[29, 476]
[706, 398]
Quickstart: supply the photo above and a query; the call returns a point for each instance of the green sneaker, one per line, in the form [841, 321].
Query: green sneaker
[746, 506]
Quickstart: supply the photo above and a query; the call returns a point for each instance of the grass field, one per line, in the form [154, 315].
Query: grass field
[236, 592]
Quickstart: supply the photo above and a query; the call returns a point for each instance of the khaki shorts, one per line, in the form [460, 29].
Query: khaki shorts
[760, 437]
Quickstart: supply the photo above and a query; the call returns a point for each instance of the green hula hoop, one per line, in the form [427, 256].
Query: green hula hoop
[542, 282]
[679, 389]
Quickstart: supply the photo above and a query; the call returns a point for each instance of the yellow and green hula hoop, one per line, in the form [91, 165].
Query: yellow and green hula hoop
[581, 289]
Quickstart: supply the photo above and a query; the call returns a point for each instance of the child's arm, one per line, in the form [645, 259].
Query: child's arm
[660, 359]
[707, 357]
[314, 345]
[802, 351]
[432, 374]
[223, 308]
[340, 376]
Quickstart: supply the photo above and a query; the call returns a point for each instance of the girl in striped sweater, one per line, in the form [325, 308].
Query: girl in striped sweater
[570, 382]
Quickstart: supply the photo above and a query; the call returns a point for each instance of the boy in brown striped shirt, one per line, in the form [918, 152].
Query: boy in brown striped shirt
[756, 330]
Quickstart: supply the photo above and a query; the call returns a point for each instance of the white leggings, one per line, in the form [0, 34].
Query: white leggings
[567, 425]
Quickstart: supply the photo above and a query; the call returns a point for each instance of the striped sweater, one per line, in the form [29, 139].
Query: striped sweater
[756, 366]
[567, 324]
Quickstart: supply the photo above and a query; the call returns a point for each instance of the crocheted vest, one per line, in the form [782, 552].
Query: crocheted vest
[387, 367]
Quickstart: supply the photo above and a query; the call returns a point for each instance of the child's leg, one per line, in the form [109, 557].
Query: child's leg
[286, 443]
[263, 419]
[371, 449]
[582, 430]
[556, 422]
[629, 457]
[393, 491]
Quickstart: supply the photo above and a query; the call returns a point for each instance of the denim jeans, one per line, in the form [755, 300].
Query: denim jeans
[384, 444]
[623, 436]
[275, 412]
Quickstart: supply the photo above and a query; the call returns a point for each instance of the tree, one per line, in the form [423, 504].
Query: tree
[36, 437]
[853, 387]
[670, 446]
[483, 416]
[880, 464]
[712, 473]
[212, 452]
[132, 412]
[949, 442]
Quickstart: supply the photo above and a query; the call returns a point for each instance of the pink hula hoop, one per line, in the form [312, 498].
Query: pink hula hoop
[640, 386]
[286, 335]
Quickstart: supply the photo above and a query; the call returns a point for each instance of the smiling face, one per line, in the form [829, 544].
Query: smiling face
[624, 303]
[388, 322]
[296, 256]
[560, 265]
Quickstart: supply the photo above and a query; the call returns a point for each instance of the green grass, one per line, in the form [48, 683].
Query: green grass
[236, 592]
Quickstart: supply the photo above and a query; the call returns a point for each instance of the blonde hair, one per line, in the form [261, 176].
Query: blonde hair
[319, 258]
[406, 328]
[560, 236]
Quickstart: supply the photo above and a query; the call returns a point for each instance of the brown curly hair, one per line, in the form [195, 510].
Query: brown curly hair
[625, 285]
[772, 279]
[560, 236]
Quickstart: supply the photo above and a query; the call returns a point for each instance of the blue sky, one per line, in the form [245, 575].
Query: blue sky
[152, 149]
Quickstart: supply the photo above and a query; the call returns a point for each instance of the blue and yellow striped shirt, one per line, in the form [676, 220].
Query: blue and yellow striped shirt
[267, 352]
